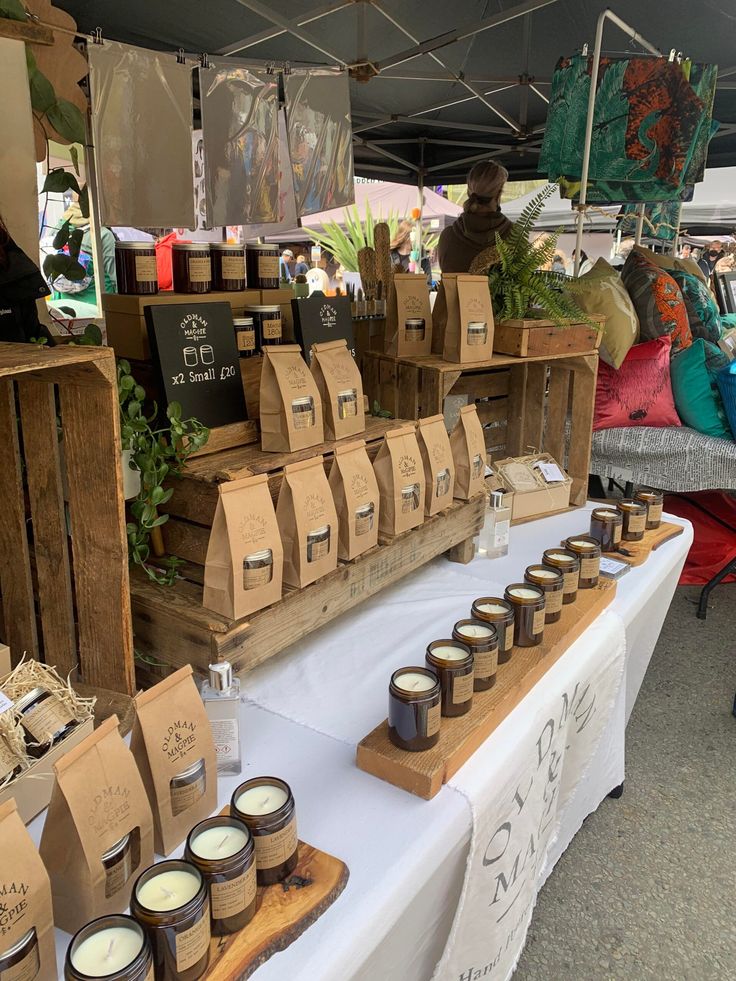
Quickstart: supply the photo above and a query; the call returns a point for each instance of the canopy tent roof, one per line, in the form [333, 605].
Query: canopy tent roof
[478, 88]
[386, 198]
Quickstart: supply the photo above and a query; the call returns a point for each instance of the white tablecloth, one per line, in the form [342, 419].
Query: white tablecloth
[307, 709]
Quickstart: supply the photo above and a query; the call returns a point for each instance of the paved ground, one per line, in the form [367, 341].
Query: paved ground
[647, 889]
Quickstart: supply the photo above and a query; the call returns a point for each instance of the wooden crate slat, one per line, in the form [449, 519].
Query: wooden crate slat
[536, 387]
[81, 365]
[408, 392]
[50, 539]
[483, 384]
[581, 432]
[557, 402]
[515, 442]
[495, 410]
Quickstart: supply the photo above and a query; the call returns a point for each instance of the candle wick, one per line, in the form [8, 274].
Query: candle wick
[108, 955]
[265, 800]
[223, 842]
[167, 892]
[416, 683]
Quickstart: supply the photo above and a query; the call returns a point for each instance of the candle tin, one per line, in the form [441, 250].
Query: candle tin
[484, 649]
[409, 498]
[529, 613]
[246, 337]
[455, 676]
[231, 880]
[45, 720]
[588, 550]
[347, 403]
[135, 268]
[191, 267]
[414, 714]
[188, 786]
[634, 515]
[654, 501]
[364, 517]
[23, 959]
[180, 937]
[118, 864]
[552, 584]
[499, 612]
[262, 266]
[302, 411]
[258, 569]
[10, 763]
[414, 330]
[140, 966]
[318, 543]
[477, 333]
[274, 834]
[267, 318]
[606, 525]
[228, 266]
[442, 483]
[569, 565]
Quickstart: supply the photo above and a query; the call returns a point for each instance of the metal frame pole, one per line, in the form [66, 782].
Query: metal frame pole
[640, 209]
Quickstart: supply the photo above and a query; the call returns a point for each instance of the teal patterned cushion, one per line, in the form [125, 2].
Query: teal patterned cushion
[702, 310]
[693, 373]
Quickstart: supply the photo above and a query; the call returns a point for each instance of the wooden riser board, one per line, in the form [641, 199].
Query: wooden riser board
[636, 553]
[424, 773]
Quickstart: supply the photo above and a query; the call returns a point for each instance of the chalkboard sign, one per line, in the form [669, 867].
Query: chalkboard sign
[319, 318]
[196, 360]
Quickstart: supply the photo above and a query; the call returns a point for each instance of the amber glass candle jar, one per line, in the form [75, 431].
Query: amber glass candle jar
[135, 268]
[482, 640]
[45, 720]
[171, 902]
[499, 612]
[118, 863]
[528, 603]
[266, 805]
[222, 849]
[113, 947]
[262, 266]
[634, 514]
[246, 336]
[452, 662]
[228, 266]
[654, 501]
[588, 550]
[267, 318]
[22, 958]
[552, 584]
[188, 786]
[606, 525]
[414, 709]
[191, 267]
[569, 565]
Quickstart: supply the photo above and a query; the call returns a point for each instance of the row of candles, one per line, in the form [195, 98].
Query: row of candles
[177, 905]
[468, 661]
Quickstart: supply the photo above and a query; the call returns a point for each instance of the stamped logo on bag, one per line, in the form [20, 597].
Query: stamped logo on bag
[110, 806]
[359, 485]
[407, 465]
[179, 740]
[252, 528]
[13, 905]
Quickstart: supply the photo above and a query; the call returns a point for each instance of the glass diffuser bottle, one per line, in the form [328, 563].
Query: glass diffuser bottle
[221, 697]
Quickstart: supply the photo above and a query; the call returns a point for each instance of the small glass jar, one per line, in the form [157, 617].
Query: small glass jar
[588, 550]
[654, 501]
[528, 603]
[482, 640]
[499, 612]
[191, 267]
[347, 403]
[442, 483]
[477, 333]
[187, 787]
[267, 318]
[552, 584]
[258, 569]
[452, 662]
[113, 947]
[318, 543]
[45, 720]
[414, 330]
[262, 266]
[11, 765]
[414, 709]
[634, 515]
[22, 959]
[171, 902]
[222, 849]
[135, 268]
[364, 518]
[118, 864]
[302, 412]
[477, 467]
[246, 336]
[409, 498]
[569, 565]
[605, 526]
[228, 266]
[266, 806]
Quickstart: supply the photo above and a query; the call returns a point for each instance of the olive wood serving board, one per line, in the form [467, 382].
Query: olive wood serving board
[638, 552]
[424, 773]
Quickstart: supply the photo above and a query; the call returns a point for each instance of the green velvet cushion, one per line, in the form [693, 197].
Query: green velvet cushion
[697, 398]
[702, 309]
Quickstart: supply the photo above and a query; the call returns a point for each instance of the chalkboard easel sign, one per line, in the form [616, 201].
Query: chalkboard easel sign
[196, 360]
[319, 318]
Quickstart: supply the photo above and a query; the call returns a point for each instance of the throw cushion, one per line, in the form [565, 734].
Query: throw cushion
[702, 309]
[657, 300]
[640, 392]
[600, 291]
[695, 389]
[670, 262]
[726, 379]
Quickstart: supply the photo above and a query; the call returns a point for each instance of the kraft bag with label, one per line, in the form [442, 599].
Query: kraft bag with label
[26, 901]
[98, 833]
[290, 406]
[308, 522]
[468, 334]
[439, 467]
[400, 475]
[357, 502]
[469, 453]
[409, 323]
[340, 388]
[173, 746]
[245, 559]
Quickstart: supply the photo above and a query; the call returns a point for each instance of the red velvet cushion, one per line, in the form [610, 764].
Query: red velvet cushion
[640, 392]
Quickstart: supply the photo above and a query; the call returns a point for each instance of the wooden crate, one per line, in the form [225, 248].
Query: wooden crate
[65, 596]
[525, 338]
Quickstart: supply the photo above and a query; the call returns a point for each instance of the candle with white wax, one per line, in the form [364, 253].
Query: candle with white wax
[263, 799]
[606, 514]
[581, 543]
[414, 681]
[448, 652]
[109, 950]
[524, 593]
[492, 608]
[168, 891]
[545, 573]
[559, 556]
[453, 664]
[219, 842]
[475, 630]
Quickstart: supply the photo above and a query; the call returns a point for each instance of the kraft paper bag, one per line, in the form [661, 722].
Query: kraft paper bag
[308, 522]
[439, 317]
[439, 467]
[400, 475]
[98, 799]
[469, 453]
[25, 899]
[290, 406]
[409, 301]
[340, 388]
[357, 502]
[245, 559]
[173, 746]
[468, 334]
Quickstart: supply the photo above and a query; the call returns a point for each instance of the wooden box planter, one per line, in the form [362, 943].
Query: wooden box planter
[527, 338]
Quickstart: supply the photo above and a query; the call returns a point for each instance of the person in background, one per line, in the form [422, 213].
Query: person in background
[21, 284]
[301, 268]
[686, 251]
[585, 263]
[558, 264]
[476, 228]
[287, 256]
[401, 249]
[710, 257]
